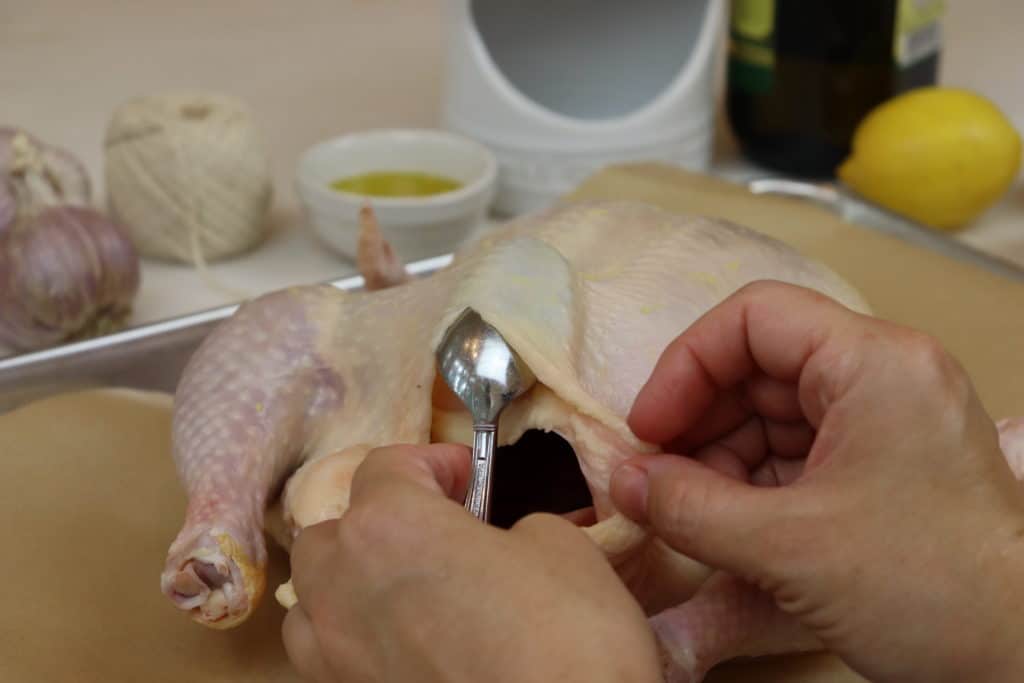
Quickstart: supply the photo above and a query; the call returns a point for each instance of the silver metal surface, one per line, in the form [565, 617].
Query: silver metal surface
[486, 374]
[149, 357]
[478, 494]
[856, 210]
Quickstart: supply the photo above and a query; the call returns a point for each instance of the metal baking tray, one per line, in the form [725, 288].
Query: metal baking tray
[152, 357]
[856, 210]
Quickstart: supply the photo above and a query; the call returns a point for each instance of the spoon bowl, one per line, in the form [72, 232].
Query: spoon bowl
[481, 368]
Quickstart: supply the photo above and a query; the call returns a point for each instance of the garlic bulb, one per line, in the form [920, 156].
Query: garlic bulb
[33, 173]
[66, 270]
[69, 273]
[189, 174]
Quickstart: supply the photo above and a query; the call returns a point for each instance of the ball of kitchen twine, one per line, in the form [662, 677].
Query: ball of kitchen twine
[188, 174]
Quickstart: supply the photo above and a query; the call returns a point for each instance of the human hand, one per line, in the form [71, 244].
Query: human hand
[845, 466]
[408, 586]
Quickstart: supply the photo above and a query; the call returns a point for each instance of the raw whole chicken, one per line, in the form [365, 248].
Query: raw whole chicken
[282, 401]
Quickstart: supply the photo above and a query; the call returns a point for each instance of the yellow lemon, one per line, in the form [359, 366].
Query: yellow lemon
[938, 155]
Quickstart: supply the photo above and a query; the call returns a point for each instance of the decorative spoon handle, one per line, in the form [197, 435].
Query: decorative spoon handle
[478, 497]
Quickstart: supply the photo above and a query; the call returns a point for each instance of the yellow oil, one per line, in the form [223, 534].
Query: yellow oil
[396, 184]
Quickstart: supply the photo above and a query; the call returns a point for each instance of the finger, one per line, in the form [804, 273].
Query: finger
[769, 328]
[725, 414]
[777, 472]
[555, 535]
[747, 448]
[788, 439]
[583, 517]
[435, 468]
[724, 461]
[701, 513]
[762, 396]
[312, 563]
[774, 399]
[301, 645]
[738, 452]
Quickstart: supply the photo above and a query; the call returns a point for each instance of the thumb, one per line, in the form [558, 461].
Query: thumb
[724, 523]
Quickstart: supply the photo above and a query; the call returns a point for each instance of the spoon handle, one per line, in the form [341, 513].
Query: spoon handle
[478, 497]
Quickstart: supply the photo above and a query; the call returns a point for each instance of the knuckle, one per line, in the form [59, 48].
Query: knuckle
[938, 369]
[758, 290]
[759, 287]
[307, 547]
[768, 287]
[405, 460]
[364, 525]
[383, 467]
[546, 524]
[386, 456]
[389, 520]
[298, 640]
[926, 349]
[774, 289]
[535, 521]
[554, 531]
[321, 617]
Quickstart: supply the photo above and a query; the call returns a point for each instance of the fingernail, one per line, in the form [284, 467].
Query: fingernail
[629, 491]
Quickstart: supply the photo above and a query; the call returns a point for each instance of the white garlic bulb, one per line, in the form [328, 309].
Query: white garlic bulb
[66, 270]
[189, 174]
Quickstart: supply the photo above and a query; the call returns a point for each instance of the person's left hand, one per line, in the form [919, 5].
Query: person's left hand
[408, 586]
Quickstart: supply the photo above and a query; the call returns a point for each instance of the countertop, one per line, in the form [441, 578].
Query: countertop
[321, 68]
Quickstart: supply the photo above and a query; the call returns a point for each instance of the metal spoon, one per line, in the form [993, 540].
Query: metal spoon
[486, 374]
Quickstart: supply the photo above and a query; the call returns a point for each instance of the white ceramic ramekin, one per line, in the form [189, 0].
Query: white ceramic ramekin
[417, 227]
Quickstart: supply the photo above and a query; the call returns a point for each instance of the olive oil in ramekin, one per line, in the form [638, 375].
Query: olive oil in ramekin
[396, 184]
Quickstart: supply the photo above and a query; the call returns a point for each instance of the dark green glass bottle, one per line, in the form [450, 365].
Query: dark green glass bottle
[803, 73]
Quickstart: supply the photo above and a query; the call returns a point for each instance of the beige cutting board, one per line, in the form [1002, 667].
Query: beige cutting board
[89, 503]
[89, 499]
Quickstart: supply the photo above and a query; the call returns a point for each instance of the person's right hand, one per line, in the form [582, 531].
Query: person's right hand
[844, 465]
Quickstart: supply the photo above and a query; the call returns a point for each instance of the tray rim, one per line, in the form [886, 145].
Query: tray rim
[56, 369]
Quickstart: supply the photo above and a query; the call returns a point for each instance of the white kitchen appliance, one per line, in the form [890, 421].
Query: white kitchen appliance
[559, 88]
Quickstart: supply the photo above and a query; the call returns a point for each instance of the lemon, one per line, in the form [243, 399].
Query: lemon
[938, 155]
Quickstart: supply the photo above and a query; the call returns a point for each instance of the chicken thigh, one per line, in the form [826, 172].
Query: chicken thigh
[283, 400]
